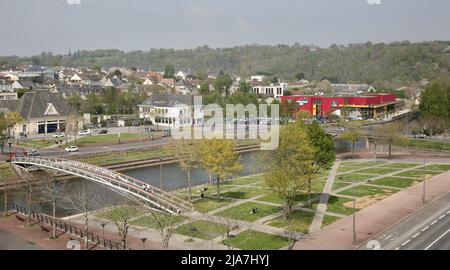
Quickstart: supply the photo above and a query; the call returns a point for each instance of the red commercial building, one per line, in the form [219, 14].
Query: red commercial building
[367, 106]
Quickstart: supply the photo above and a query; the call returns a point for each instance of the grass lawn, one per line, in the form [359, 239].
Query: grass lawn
[38, 143]
[6, 172]
[300, 221]
[327, 220]
[350, 177]
[437, 167]
[317, 185]
[363, 190]
[401, 165]
[417, 174]
[273, 198]
[254, 240]
[244, 193]
[150, 221]
[395, 182]
[202, 229]
[244, 211]
[109, 138]
[361, 164]
[348, 169]
[250, 180]
[338, 185]
[378, 171]
[335, 205]
[210, 203]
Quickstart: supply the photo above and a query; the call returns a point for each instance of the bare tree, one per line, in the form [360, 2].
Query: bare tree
[51, 191]
[165, 224]
[30, 180]
[85, 198]
[121, 217]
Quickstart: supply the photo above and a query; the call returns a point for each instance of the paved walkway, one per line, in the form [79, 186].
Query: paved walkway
[316, 224]
[376, 218]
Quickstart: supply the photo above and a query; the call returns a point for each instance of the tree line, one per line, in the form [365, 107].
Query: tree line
[372, 63]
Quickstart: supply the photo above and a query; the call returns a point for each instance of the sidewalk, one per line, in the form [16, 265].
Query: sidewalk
[376, 218]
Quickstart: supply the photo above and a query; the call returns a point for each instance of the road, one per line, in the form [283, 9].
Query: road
[11, 241]
[428, 229]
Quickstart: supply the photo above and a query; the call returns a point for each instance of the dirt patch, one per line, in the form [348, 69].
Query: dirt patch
[366, 201]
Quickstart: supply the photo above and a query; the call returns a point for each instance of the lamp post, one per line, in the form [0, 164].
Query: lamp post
[354, 215]
[424, 179]
[160, 172]
[103, 233]
[70, 223]
[143, 242]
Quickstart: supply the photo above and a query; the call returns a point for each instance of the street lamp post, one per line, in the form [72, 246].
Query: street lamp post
[424, 179]
[70, 223]
[103, 233]
[143, 242]
[354, 215]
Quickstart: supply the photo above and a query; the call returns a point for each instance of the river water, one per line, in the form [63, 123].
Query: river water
[173, 178]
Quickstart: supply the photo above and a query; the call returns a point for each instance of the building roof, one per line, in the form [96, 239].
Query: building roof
[35, 104]
[168, 100]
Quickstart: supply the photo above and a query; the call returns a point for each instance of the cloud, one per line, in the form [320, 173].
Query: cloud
[205, 12]
[74, 2]
[374, 2]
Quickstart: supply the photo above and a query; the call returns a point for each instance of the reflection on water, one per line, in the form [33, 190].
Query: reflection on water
[173, 178]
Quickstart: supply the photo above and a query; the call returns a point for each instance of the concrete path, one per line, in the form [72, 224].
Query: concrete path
[322, 207]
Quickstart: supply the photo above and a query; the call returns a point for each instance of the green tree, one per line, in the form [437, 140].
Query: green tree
[187, 154]
[13, 118]
[225, 160]
[204, 89]
[245, 87]
[390, 134]
[223, 83]
[292, 166]
[324, 152]
[3, 131]
[435, 100]
[351, 135]
[76, 101]
[169, 71]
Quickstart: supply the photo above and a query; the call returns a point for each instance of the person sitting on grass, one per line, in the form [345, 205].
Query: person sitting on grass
[254, 210]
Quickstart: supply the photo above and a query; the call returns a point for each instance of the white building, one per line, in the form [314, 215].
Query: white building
[171, 110]
[258, 78]
[272, 90]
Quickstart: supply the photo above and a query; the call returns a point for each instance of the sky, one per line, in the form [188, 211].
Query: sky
[29, 27]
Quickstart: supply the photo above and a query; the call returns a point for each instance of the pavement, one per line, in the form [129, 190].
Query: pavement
[11, 241]
[316, 224]
[427, 229]
[376, 218]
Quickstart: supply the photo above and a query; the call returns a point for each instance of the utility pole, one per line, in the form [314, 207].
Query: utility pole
[424, 179]
[354, 215]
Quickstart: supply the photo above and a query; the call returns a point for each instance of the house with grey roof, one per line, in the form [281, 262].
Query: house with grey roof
[43, 111]
[172, 110]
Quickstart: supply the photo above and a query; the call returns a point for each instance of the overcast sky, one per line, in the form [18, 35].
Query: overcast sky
[29, 27]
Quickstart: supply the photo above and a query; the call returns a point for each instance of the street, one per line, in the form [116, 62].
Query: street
[428, 229]
[14, 242]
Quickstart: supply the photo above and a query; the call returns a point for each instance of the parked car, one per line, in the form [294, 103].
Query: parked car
[33, 153]
[420, 136]
[22, 135]
[103, 131]
[84, 133]
[58, 135]
[71, 149]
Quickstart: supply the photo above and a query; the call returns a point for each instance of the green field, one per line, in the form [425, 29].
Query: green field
[436, 167]
[364, 190]
[417, 174]
[395, 182]
[350, 177]
[108, 138]
[254, 240]
[208, 204]
[202, 229]
[401, 165]
[335, 205]
[244, 193]
[378, 171]
[327, 220]
[244, 211]
[299, 221]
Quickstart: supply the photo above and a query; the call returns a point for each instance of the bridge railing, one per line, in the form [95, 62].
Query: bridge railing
[156, 197]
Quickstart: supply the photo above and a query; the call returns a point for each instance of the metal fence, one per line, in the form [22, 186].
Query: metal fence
[66, 227]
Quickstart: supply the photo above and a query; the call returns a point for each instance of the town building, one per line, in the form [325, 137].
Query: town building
[272, 90]
[43, 111]
[171, 110]
[366, 106]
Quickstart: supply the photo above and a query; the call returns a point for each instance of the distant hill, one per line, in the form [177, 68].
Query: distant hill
[398, 62]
